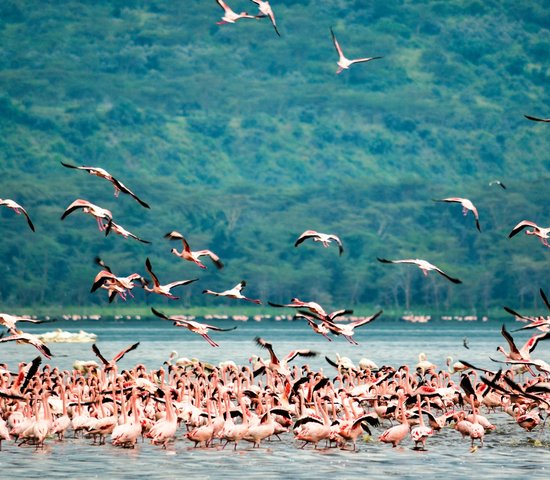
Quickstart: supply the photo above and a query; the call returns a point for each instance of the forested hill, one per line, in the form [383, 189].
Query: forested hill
[241, 140]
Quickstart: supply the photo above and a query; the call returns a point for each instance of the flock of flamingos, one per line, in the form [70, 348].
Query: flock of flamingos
[228, 404]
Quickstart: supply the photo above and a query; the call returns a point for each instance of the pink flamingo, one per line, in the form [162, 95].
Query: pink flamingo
[193, 326]
[235, 292]
[229, 16]
[191, 256]
[420, 433]
[163, 289]
[323, 238]
[541, 232]
[17, 209]
[467, 206]
[100, 172]
[397, 433]
[424, 266]
[87, 207]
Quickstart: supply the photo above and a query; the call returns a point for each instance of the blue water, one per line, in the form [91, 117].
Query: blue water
[509, 452]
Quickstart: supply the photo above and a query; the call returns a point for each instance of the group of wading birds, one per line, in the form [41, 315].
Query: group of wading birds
[228, 403]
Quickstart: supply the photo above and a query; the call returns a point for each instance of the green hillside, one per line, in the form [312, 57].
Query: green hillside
[241, 140]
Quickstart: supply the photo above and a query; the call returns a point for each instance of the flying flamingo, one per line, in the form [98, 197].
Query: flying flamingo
[343, 62]
[320, 328]
[120, 230]
[10, 321]
[235, 292]
[30, 339]
[523, 353]
[281, 366]
[497, 182]
[324, 238]
[100, 172]
[467, 206]
[17, 209]
[109, 365]
[424, 266]
[187, 254]
[537, 119]
[229, 16]
[193, 326]
[163, 289]
[267, 11]
[87, 207]
[542, 233]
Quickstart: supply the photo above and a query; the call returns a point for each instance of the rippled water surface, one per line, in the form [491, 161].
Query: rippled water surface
[509, 452]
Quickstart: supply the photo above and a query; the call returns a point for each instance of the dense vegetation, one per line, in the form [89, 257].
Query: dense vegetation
[241, 140]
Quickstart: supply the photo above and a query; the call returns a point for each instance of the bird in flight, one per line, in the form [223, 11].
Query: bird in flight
[343, 62]
[497, 182]
[537, 119]
[234, 292]
[190, 256]
[100, 172]
[541, 232]
[266, 11]
[467, 206]
[424, 266]
[17, 209]
[323, 238]
[163, 289]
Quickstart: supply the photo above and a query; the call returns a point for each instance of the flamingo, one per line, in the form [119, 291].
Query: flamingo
[281, 366]
[324, 238]
[541, 232]
[320, 328]
[17, 209]
[523, 353]
[467, 206]
[497, 182]
[267, 11]
[164, 430]
[193, 326]
[397, 433]
[235, 292]
[10, 321]
[537, 119]
[229, 16]
[343, 62]
[163, 289]
[420, 433]
[424, 266]
[476, 430]
[29, 339]
[100, 172]
[187, 254]
[314, 430]
[98, 212]
[348, 329]
[109, 365]
[120, 230]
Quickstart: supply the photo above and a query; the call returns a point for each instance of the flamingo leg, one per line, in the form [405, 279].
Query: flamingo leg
[209, 340]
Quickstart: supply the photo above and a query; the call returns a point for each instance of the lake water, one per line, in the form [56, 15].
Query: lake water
[509, 452]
